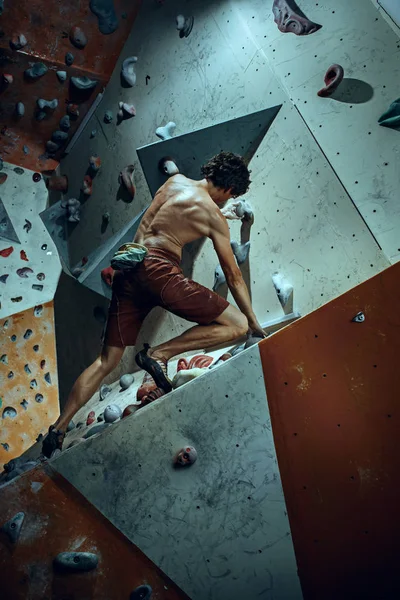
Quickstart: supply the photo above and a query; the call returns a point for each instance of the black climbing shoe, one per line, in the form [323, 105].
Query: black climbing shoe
[53, 441]
[154, 369]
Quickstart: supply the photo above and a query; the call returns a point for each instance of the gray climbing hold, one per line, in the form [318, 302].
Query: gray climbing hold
[69, 59]
[37, 70]
[62, 75]
[24, 404]
[20, 109]
[59, 137]
[10, 375]
[112, 413]
[126, 381]
[40, 115]
[25, 150]
[27, 226]
[27, 334]
[237, 349]
[186, 456]
[12, 528]
[73, 209]
[128, 74]
[78, 37]
[166, 132]
[38, 288]
[76, 561]
[108, 116]
[33, 384]
[52, 147]
[18, 41]
[4, 359]
[27, 369]
[36, 348]
[359, 318]
[65, 123]
[104, 391]
[96, 429]
[143, 592]
[219, 277]
[106, 217]
[47, 378]
[184, 25]
[83, 83]
[51, 104]
[93, 133]
[105, 13]
[38, 310]
[9, 413]
[241, 251]
[39, 398]
[3, 278]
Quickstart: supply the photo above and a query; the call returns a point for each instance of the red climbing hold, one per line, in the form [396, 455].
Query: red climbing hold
[6, 252]
[129, 410]
[182, 365]
[23, 255]
[107, 275]
[3, 178]
[91, 418]
[201, 361]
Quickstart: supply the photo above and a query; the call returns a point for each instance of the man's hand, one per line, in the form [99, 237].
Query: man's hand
[255, 328]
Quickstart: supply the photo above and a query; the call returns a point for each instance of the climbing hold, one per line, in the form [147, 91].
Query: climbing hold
[284, 289]
[4, 359]
[25, 149]
[290, 18]
[93, 133]
[6, 447]
[184, 25]
[252, 340]
[77, 37]
[83, 83]
[91, 418]
[166, 132]
[76, 561]
[62, 75]
[72, 207]
[71, 426]
[24, 272]
[104, 391]
[186, 456]
[126, 381]
[18, 41]
[126, 177]
[391, 118]
[23, 255]
[38, 288]
[36, 177]
[128, 74]
[18, 171]
[129, 410]
[7, 79]
[37, 70]
[87, 185]
[27, 369]
[65, 124]
[359, 318]
[219, 277]
[12, 528]
[40, 115]
[201, 361]
[126, 111]
[3, 178]
[96, 429]
[100, 418]
[42, 363]
[33, 384]
[39, 398]
[94, 163]
[10, 375]
[16, 299]
[59, 137]
[107, 275]
[38, 310]
[36, 348]
[27, 226]
[112, 413]
[73, 110]
[105, 219]
[9, 413]
[241, 251]
[186, 375]
[51, 104]
[69, 59]
[47, 378]
[3, 278]
[333, 77]
[143, 592]
[168, 166]
[6, 252]
[24, 404]
[13, 338]
[105, 13]
[20, 109]
[108, 116]
[52, 147]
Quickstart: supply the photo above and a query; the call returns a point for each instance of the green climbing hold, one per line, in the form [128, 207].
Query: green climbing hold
[391, 118]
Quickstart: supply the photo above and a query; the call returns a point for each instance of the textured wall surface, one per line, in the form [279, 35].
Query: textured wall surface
[21, 200]
[28, 379]
[218, 528]
[332, 388]
[306, 224]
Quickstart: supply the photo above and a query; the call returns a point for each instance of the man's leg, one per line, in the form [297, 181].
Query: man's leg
[83, 389]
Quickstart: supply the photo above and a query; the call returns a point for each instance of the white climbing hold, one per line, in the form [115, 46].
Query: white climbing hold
[284, 289]
[128, 74]
[187, 375]
[166, 132]
[126, 381]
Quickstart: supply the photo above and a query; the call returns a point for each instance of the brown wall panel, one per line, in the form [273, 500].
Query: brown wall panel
[333, 392]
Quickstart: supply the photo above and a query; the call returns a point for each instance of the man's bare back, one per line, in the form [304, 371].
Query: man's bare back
[182, 211]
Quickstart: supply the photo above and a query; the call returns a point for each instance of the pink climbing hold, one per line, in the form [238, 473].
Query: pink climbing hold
[91, 418]
[23, 255]
[107, 275]
[333, 78]
[95, 162]
[183, 365]
[290, 19]
[6, 252]
[7, 79]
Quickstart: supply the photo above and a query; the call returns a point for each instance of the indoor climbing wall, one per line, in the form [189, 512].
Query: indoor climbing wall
[332, 383]
[62, 547]
[29, 263]
[28, 378]
[54, 63]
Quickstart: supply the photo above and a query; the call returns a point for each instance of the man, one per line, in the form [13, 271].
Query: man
[182, 211]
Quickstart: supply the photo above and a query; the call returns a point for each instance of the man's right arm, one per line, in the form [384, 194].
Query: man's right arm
[221, 240]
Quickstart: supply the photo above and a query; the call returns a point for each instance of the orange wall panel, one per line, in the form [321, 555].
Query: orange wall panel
[333, 392]
[28, 372]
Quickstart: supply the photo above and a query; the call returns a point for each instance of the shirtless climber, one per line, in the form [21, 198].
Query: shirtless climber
[182, 211]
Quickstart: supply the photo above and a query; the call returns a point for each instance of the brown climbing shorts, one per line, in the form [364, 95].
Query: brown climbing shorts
[157, 281]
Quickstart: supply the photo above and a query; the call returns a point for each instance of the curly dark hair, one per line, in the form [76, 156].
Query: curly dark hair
[228, 171]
